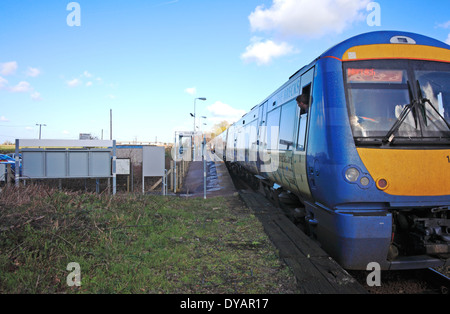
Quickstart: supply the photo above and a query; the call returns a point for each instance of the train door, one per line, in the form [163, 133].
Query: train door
[299, 159]
[286, 144]
[261, 134]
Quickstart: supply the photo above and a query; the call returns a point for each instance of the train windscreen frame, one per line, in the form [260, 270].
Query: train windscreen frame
[407, 99]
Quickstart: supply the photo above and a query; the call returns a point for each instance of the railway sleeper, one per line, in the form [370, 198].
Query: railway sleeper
[288, 202]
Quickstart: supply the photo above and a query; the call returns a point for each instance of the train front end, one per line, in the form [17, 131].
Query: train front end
[391, 204]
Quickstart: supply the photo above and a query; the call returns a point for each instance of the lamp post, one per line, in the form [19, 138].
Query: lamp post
[203, 123]
[201, 98]
[40, 127]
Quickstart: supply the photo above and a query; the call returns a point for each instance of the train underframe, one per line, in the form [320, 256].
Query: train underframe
[420, 231]
[412, 237]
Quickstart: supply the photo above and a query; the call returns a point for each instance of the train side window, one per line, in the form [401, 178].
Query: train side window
[272, 131]
[262, 114]
[240, 144]
[287, 125]
[251, 145]
[230, 144]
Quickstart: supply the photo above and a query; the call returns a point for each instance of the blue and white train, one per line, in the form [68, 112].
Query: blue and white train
[370, 159]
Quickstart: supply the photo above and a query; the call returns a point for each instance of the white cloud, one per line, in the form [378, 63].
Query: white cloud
[4, 119]
[220, 111]
[191, 90]
[445, 25]
[22, 87]
[79, 82]
[112, 85]
[74, 83]
[87, 79]
[33, 72]
[36, 96]
[308, 18]
[3, 83]
[8, 68]
[262, 52]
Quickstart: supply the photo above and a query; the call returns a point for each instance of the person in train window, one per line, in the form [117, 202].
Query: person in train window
[303, 103]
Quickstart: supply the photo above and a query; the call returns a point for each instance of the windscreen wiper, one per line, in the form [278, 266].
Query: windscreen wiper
[401, 118]
[406, 110]
[422, 107]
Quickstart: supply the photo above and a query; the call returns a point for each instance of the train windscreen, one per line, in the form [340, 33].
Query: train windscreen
[398, 98]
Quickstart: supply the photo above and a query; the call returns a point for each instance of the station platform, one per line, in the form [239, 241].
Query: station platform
[218, 180]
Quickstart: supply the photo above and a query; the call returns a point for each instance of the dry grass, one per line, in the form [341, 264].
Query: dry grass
[134, 244]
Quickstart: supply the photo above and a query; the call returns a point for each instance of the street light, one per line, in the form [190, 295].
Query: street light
[203, 117]
[201, 98]
[40, 127]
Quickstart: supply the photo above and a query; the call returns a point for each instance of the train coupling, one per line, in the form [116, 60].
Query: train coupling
[434, 234]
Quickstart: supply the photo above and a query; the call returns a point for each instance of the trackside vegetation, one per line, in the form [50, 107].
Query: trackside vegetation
[134, 244]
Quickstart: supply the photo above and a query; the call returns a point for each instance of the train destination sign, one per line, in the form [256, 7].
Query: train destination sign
[375, 76]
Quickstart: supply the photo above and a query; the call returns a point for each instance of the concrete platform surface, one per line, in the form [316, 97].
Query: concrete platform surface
[218, 180]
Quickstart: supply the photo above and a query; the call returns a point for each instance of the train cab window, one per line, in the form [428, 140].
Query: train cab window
[306, 89]
[302, 132]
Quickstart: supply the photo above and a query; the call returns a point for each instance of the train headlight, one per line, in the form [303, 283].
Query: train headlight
[365, 181]
[352, 174]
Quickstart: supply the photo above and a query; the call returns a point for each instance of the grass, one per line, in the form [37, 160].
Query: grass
[134, 244]
[7, 149]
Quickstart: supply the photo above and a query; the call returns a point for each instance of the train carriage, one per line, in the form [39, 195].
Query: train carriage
[370, 158]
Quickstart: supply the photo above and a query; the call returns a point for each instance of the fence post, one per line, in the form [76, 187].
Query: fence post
[9, 176]
[17, 169]
[180, 176]
[171, 176]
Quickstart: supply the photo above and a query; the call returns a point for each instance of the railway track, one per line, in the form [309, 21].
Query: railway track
[421, 281]
[441, 281]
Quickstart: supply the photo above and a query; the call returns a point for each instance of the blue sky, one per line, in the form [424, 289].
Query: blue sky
[148, 60]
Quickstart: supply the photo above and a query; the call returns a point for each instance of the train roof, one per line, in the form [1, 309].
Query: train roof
[382, 37]
[371, 38]
[375, 38]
